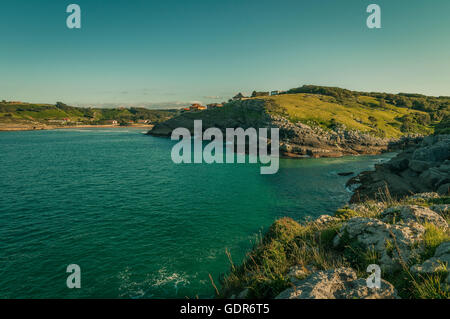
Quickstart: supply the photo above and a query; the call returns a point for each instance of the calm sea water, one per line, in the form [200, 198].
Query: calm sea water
[138, 225]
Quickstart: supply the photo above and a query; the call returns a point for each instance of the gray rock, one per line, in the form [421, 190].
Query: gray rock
[444, 189]
[414, 213]
[395, 244]
[340, 283]
[438, 263]
[445, 167]
[420, 166]
[443, 210]
[428, 171]
[437, 152]
[425, 196]
[432, 177]
[398, 164]
[299, 272]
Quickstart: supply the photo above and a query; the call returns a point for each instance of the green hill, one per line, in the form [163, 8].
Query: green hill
[326, 122]
[378, 114]
[362, 113]
[18, 112]
[390, 115]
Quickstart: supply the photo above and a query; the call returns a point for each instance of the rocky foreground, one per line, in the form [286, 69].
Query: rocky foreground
[421, 167]
[328, 258]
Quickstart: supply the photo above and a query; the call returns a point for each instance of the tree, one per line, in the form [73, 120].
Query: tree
[256, 94]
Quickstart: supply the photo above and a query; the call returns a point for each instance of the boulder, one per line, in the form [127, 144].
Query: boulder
[428, 170]
[414, 213]
[438, 263]
[398, 164]
[299, 272]
[395, 244]
[340, 283]
[437, 152]
[443, 210]
[432, 177]
[420, 166]
[444, 189]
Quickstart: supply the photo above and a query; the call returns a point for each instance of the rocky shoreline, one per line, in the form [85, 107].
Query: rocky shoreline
[398, 219]
[423, 166]
[327, 258]
[40, 126]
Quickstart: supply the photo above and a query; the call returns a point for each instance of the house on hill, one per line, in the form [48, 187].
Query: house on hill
[197, 106]
[194, 107]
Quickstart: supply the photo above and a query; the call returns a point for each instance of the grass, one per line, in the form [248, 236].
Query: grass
[432, 238]
[345, 213]
[289, 243]
[431, 287]
[43, 113]
[354, 114]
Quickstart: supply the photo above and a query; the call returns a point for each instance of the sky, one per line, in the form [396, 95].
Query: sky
[163, 53]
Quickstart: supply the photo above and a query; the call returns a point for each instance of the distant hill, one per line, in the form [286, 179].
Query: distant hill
[19, 112]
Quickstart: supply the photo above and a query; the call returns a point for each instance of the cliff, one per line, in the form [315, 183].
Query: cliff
[423, 167]
[312, 125]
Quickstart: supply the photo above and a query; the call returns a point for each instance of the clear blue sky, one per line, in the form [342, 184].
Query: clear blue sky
[131, 51]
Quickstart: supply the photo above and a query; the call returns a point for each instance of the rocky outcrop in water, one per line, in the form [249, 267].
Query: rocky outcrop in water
[423, 168]
[301, 140]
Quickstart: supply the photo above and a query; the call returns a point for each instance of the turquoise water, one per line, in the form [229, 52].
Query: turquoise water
[138, 225]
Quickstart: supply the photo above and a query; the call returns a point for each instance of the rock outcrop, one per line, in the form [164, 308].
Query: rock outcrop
[420, 169]
[440, 262]
[413, 213]
[395, 244]
[325, 258]
[340, 283]
[301, 140]
[296, 139]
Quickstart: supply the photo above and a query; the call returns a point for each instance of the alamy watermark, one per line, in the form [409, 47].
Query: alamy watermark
[374, 280]
[235, 143]
[73, 21]
[374, 19]
[74, 279]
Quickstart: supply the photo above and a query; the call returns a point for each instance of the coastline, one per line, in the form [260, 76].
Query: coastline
[40, 127]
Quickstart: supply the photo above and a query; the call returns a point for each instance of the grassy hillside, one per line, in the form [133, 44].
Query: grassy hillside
[379, 114]
[363, 113]
[393, 114]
